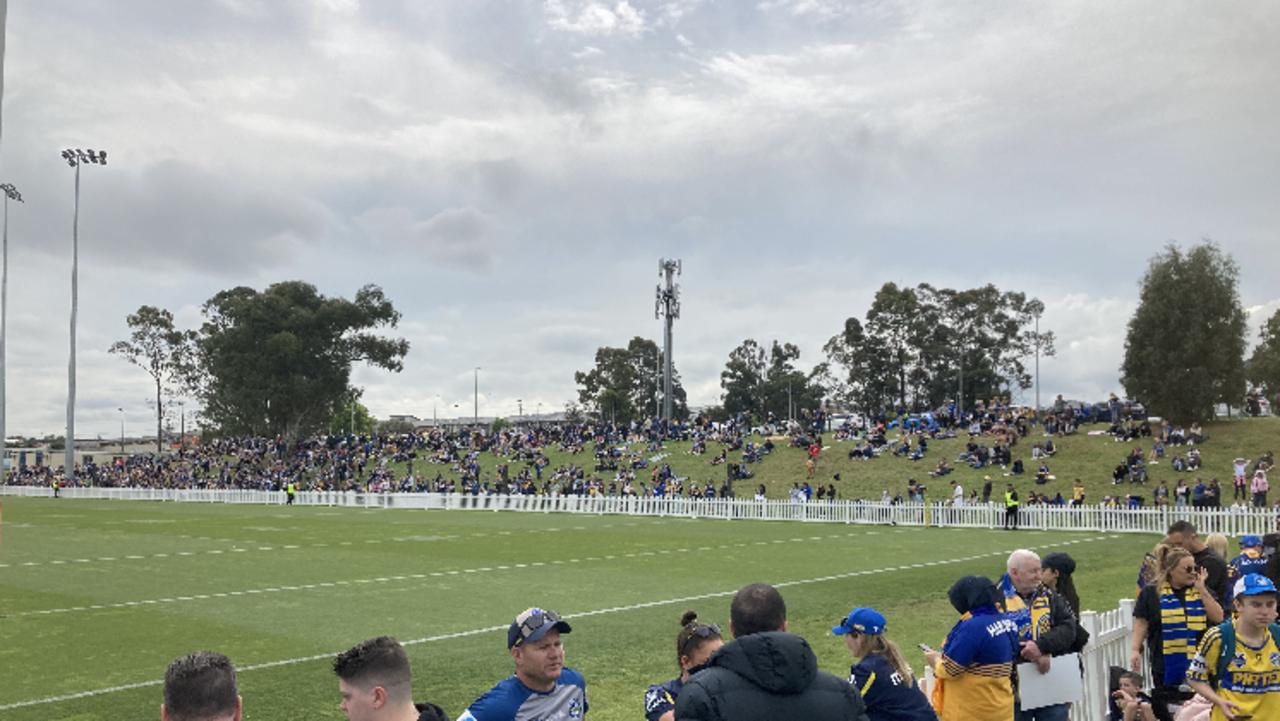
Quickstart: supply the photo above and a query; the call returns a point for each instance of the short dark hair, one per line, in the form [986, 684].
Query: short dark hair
[199, 686]
[1183, 526]
[756, 608]
[378, 661]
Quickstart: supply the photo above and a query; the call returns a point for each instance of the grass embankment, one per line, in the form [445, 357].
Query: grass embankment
[1089, 458]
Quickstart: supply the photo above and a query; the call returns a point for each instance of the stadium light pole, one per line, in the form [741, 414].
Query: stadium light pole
[75, 158]
[121, 430]
[10, 193]
[475, 411]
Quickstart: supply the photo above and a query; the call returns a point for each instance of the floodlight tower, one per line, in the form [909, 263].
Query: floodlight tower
[10, 193]
[667, 305]
[75, 158]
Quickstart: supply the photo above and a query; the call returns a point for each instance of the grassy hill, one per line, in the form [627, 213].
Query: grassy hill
[1089, 458]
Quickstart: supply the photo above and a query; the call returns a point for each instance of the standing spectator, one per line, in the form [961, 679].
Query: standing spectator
[1170, 616]
[986, 489]
[1057, 573]
[1011, 509]
[1249, 561]
[765, 673]
[542, 687]
[957, 494]
[201, 687]
[1183, 535]
[1046, 624]
[1077, 493]
[694, 645]
[1259, 486]
[376, 684]
[1238, 478]
[882, 675]
[1180, 493]
[1236, 664]
[1218, 544]
[975, 667]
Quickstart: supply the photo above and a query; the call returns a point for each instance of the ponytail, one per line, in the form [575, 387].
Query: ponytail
[884, 647]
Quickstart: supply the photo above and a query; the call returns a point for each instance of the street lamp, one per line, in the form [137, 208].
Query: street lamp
[476, 409]
[10, 193]
[519, 410]
[75, 158]
[1037, 308]
[121, 430]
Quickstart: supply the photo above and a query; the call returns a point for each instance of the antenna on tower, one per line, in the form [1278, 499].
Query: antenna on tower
[667, 304]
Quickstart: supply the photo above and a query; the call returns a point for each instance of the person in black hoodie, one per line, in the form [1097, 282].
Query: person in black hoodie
[376, 684]
[765, 673]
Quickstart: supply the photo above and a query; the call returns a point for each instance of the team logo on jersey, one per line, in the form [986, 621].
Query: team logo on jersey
[575, 708]
[1238, 660]
[1275, 660]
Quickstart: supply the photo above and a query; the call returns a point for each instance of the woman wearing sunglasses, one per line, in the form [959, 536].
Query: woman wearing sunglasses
[694, 645]
[882, 675]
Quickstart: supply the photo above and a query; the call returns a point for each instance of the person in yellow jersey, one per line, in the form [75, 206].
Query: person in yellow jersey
[1237, 665]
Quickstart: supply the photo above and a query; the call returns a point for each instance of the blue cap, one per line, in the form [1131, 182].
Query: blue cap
[867, 621]
[533, 624]
[1251, 541]
[1253, 584]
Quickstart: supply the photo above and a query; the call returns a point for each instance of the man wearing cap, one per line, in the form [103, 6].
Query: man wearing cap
[765, 673]
[1250, 560]
[882, 676]
[541, 687]
[1237, 665]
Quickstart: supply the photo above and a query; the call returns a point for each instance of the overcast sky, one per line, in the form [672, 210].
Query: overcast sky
[510, 172]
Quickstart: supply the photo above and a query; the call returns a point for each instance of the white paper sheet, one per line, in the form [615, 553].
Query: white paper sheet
[1061, 685]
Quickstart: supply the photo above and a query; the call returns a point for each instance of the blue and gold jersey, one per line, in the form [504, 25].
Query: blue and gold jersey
[1252, 678]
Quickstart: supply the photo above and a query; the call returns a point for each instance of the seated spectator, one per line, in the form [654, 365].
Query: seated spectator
[1130, 703]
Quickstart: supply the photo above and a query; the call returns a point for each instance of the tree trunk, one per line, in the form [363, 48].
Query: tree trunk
[159, 420]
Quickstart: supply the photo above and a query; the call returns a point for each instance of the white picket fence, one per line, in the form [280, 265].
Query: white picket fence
[1228, 521]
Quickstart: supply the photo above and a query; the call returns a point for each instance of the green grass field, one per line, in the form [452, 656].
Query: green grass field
[99, 595]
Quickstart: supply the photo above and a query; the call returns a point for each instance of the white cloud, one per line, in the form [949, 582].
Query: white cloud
[594, 18]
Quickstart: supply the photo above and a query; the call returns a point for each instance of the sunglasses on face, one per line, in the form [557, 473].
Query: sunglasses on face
[535, 621]
[701, 631]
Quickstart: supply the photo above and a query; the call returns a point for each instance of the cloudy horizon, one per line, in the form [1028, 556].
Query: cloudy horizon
[510, 172]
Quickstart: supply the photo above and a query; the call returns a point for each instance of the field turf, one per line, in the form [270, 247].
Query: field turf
[96, 597]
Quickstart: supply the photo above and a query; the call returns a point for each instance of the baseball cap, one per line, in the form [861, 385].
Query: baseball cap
[532, 624]
[866, 621]
[1253, 584]
[1251, 541]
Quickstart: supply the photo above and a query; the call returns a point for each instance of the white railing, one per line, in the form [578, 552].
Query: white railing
[1231, 522]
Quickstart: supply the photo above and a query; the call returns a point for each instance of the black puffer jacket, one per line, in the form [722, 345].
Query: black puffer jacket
[767, 676]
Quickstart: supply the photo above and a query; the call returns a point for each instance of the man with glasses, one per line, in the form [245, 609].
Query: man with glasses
[541, 688]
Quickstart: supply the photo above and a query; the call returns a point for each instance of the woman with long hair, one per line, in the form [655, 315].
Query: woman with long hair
[882, 675]
[1057, 570]
[694, 645]
[1170, 617]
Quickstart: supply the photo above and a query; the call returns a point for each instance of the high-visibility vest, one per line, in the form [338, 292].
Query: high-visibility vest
[1009, 500]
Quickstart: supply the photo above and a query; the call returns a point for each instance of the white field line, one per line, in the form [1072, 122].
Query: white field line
[580, 614]
[244, 546]
[185, 598]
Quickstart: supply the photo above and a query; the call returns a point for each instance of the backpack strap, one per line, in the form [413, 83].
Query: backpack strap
[1227, 650]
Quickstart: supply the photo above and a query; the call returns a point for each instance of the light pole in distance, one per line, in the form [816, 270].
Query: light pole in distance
[75, 158]
[10, 193]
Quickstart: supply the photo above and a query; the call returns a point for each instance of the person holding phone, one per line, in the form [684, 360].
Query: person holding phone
[1170, 617]
[882, 675]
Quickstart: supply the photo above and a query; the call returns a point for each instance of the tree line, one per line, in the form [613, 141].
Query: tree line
[279, 360]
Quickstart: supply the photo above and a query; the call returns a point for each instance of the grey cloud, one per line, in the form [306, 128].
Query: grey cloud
[461, 238]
